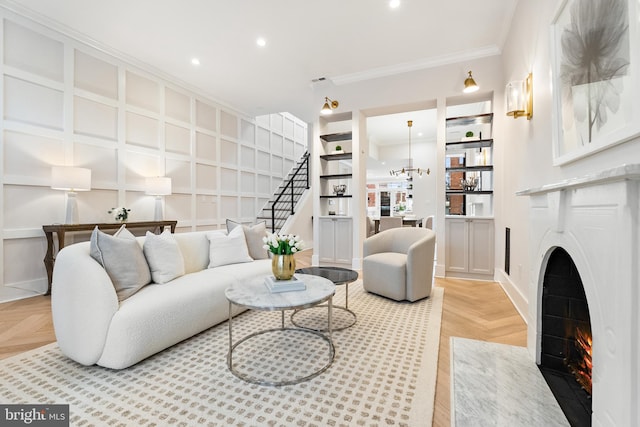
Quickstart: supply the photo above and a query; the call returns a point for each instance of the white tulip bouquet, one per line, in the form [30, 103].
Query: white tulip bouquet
[282, 244]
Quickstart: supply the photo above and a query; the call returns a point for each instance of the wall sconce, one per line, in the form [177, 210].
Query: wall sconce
[328, 106]
[519, 98]
[158, 186]
[71, 180]
[470, 85]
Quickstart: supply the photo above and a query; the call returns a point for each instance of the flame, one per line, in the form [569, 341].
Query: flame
[582, 367]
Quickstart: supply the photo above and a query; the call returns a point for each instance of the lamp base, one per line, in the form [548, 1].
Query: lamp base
[71, 215]
[157, 214]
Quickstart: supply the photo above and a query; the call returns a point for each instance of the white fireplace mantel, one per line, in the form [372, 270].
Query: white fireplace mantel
[619, 173]
[596, 219]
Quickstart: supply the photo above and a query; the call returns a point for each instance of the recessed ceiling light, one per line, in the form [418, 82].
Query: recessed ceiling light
[394, 4]
[195, 61]
[261, 42]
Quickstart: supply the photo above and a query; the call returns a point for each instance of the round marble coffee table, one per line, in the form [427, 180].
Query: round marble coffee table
[339, 276]
[256, 296]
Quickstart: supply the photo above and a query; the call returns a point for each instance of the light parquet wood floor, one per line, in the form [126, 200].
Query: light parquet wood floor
[472, 309]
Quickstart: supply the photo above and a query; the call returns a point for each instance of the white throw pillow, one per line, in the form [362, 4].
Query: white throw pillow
[163, 256]
[228, 249]
[253, 235]
[122, 258]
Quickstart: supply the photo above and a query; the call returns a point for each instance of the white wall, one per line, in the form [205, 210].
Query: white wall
[66, 103]
[412, 91]
[526, 159]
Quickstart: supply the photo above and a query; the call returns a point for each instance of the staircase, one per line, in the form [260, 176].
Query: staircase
[277, 210]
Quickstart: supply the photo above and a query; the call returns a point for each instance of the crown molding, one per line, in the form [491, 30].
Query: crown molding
[421, 64]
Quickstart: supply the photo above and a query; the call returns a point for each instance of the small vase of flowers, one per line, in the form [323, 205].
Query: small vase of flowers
[283, 247]
[120, 214]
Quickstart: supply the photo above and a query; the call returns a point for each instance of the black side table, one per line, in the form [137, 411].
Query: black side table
[339, 276]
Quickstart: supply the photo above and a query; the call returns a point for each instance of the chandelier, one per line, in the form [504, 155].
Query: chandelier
[409, 170]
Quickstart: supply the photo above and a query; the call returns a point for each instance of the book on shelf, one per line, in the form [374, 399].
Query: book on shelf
[274, 285]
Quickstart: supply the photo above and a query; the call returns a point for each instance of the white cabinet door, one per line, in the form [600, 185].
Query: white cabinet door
[481, 251]
[343, 237]
[456, 249]
[469, 246]
[336, 236]
[327, 240]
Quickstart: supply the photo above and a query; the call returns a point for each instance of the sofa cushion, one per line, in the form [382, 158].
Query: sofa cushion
[163, 256]
[253, 235]
[122, 258]
[228, 249]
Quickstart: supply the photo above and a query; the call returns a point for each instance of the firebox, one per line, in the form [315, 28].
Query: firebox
[565, 359]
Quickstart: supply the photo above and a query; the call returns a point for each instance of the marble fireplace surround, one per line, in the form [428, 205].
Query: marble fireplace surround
[596, 219]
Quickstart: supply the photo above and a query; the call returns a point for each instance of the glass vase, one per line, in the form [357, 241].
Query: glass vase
[283, 266]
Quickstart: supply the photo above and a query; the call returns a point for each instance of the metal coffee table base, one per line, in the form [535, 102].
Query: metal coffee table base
[335, 307]
[339, 276]
[307, 328]
[314, 374]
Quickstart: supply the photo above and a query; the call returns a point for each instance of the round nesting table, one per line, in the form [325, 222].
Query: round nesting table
[256, 296]
[339, 276]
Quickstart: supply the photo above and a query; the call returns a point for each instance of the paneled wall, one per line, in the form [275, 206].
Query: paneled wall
[65, 103]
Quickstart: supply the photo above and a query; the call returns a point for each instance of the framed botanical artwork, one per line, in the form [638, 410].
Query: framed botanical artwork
[596, 76]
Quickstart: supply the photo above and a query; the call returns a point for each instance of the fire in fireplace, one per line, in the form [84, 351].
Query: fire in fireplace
[581, 368]
[566, 346]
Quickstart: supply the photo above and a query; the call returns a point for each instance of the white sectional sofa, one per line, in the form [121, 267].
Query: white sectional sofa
[93, 326]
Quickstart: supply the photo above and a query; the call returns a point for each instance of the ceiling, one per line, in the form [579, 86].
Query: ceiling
[342, 41]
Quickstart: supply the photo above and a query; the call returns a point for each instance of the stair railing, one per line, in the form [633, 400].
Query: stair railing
[289, 184]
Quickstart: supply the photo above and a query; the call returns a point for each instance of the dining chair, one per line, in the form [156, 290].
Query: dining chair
[389, 222]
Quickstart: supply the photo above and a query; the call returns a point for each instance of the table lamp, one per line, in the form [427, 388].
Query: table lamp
[158, 186]
[72, 180]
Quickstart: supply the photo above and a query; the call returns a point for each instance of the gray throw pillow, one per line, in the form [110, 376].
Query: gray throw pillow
[253, 235]
[122, 258]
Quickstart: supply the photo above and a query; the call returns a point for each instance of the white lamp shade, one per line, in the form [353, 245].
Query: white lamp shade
[159, 186]
[515, 94]
[70, 178]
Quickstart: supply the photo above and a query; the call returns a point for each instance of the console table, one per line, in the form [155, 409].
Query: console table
[62, 229]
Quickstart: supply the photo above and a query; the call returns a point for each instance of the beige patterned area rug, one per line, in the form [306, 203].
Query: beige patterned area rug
[384, 373]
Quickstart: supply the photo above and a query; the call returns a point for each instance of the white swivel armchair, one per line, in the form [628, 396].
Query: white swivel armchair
[398, 263]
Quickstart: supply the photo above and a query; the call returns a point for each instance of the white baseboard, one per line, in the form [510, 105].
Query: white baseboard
[520, 302]
[22, 290]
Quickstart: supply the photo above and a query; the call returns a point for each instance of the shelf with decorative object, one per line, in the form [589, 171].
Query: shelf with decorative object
[336, 156]
[465, 145]
[469, 160]
[473, 119]
[469, 192]
[335, 169]
[335, 137]
[470, 168]
[336, 176]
